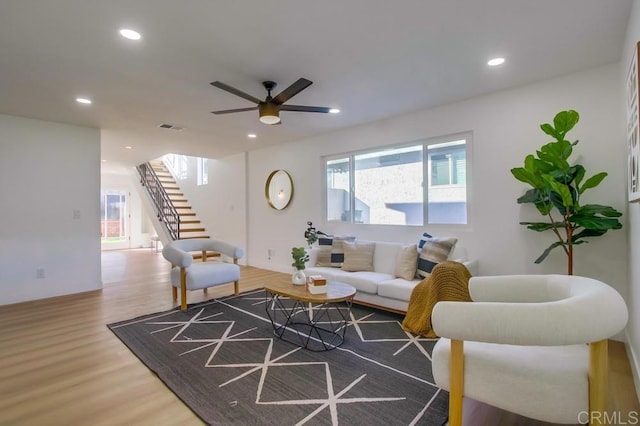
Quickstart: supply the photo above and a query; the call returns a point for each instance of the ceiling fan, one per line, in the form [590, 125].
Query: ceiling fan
[270, 108]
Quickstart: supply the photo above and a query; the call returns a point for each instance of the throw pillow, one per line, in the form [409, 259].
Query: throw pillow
[432, 251]
[330, 251]
[324, 251]
[407, 262]
[337, 250]
[358, 256]
[425, 237]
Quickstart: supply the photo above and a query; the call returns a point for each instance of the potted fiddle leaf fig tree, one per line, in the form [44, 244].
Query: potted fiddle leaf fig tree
[557, 188]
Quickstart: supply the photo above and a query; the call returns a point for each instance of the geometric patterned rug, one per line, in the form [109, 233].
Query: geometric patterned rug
[222, 359]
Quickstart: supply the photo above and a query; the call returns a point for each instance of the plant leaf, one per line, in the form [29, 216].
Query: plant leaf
[548, 129]
[562, 190]
[565, 120]
[594, 209]
[542, 226]
[531, 196]
[545, 253]
[586, 233]
[595, 222]
[578, 175]
[593, 181]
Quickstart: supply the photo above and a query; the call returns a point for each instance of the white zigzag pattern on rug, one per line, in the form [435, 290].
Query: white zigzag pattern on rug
[333, 398]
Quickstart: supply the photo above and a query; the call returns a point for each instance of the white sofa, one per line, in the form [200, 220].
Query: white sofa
[380, 287]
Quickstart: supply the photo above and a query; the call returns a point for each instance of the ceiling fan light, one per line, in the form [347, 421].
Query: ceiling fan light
[269, 113]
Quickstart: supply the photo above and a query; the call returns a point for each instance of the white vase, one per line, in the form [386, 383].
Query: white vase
[298, 277]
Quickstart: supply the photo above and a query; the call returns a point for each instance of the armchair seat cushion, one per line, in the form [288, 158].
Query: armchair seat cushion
[549, 383]
[206, 274]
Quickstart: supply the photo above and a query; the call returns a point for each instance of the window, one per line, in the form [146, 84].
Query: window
[387, 186]
[178, 164]
[202, 171]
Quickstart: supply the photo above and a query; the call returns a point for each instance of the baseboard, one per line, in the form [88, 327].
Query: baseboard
[634, 361]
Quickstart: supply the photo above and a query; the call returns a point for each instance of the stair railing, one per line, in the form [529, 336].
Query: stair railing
[165, 210]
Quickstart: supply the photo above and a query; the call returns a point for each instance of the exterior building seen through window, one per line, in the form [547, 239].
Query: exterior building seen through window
[422, 183]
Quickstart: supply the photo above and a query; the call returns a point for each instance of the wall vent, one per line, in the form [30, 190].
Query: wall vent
[170, 127]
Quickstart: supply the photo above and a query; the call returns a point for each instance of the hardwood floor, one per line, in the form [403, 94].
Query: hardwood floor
[60, 364]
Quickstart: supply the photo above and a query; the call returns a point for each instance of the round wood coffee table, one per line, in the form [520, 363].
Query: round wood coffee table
[317, 322]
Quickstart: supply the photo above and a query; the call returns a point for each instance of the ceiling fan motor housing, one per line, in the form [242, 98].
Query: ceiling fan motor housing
[269, 113]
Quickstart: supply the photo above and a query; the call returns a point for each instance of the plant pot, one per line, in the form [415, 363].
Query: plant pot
[298, 277]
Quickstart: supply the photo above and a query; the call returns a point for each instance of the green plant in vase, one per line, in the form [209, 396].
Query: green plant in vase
[557, 189]
[300, 258]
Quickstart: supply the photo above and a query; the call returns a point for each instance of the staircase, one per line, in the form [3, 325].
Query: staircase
[171, 207]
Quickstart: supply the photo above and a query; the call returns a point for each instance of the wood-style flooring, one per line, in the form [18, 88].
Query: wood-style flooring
[60, 364]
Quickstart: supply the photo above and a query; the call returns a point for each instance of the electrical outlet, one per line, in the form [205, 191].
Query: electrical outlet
[40, 273]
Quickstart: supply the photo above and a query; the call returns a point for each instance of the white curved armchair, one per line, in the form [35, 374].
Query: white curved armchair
[189, 275]
[521, 345]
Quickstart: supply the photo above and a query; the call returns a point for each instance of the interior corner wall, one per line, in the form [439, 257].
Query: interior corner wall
[505, 128]
[50, 188]
[633, 213]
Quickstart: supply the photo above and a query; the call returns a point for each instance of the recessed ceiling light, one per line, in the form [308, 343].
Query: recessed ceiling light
[130, 34]
[334, 110]
[252, 135]
[495, 61]
[83, 101]
[127, 147]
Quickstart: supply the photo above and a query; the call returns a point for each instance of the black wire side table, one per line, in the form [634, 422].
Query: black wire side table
[317, 322]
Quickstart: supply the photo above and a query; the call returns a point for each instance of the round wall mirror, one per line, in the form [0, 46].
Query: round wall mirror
[279, 189]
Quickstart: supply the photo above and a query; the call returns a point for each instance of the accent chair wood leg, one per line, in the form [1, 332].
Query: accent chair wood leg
[183, 289]
[174, 292]
[205, 290]
[598, 381]
[456, 383]
[236, 284]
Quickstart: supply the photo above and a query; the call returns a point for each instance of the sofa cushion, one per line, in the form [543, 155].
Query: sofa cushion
[329, 272]
[364, 281]
[432, 251]
[397, 288]
[384, 257]
[407, 262]
[358, 256]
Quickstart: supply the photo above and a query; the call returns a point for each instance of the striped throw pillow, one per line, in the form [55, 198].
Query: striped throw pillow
[324, 251]
[432, 251]
[331, 251]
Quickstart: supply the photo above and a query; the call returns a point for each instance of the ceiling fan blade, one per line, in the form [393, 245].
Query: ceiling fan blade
[227, 88]
[291, 91]
[229, 111]
[302, 108]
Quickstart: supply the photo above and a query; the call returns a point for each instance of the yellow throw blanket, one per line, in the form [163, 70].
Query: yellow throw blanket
[449, 281]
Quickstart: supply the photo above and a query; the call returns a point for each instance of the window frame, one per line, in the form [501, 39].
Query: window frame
[467, 136]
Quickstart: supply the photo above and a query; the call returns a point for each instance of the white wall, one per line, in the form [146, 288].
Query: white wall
[48, 171]
[221, 204]
[505, 128]
[633, 213]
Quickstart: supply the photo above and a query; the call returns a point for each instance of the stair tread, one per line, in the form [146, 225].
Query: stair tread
[191, 230]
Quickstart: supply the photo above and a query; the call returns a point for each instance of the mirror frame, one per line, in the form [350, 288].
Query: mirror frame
[278, 190]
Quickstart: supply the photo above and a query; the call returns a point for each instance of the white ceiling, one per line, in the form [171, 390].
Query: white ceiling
[370, 58]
